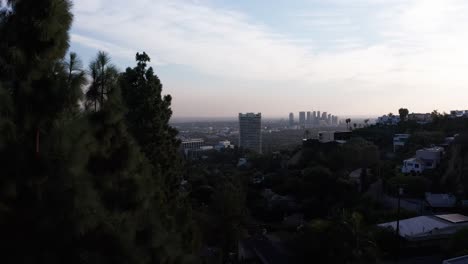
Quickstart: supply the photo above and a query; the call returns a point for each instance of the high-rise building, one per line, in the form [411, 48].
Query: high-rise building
[314, 115]
[308, 121]
[318, 115]
[324, 116]
[291, 119]
[250, 131]
[334, 120]
[329, 119]
[302, 118]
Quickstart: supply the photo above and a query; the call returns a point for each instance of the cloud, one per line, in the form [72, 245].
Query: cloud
[410, 47]
[210, 40]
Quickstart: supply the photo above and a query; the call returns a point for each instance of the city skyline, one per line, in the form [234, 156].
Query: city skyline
[357, 57]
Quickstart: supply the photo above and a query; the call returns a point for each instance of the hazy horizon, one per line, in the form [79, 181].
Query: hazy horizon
[347, 57]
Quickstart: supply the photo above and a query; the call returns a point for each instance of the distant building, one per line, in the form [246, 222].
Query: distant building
[302, 119]
[308, 120]
[191, 144]
[225, 144]
[291, 119]
[318, 116]
[334, 120]
[458, 113]
[193, 148]
[420, 118]
[329, 119]
[250, 131]
[399, 141]
[388, 120]
[324, 116]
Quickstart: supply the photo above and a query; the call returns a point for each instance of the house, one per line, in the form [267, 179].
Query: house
[388, 120]
[421, 118]
[440, 200]
[426, 158]
[430, 156]
[413, 165]
[399, 141]
[224, 144]
[429, 227]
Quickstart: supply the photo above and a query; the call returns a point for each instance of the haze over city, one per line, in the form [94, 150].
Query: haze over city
[218, 58]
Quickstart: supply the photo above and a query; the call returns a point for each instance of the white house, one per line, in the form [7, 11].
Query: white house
[413, 165]
[430, 156]
[426, 158]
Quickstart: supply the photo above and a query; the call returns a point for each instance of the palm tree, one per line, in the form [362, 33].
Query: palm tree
[348, 121]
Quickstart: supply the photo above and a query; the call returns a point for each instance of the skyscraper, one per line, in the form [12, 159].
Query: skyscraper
[250, 131]
[302, 118]
[318, 115]
[291, 119]
[324, 116]
[308, 120]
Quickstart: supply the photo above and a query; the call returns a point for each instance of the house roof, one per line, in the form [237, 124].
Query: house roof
[414, 159]
[425, 227]
[441, 200]
[458, 260]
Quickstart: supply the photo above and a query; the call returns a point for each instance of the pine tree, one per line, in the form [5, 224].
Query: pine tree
[148, 114]
[148, 120]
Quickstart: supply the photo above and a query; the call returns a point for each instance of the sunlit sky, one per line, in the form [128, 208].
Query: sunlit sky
[348, 57]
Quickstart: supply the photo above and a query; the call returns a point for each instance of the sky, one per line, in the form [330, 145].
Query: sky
[347, 57]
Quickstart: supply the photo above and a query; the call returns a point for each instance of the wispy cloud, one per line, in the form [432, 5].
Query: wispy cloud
[411, 47]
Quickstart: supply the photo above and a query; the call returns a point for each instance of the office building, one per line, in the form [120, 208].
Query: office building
[291, 119]
[318, 116]
[302, 119]
[191, 146]
[250, 131]
[329, 119]
[324, 116]
[308, 121]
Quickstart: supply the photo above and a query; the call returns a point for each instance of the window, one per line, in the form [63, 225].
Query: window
[416, 166]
